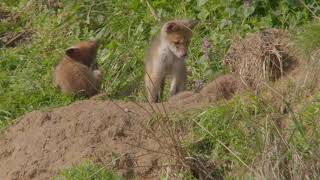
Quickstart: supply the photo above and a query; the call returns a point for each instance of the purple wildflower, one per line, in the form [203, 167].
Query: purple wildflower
[206, 45]
[246, 3]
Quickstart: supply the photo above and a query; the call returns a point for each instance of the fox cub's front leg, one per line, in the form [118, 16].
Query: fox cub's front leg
[179, 78]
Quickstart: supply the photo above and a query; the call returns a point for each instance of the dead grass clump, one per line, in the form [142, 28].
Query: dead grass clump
[282, 157]
[312, 76]
[296, 88]
[261, 57]
[4, 13]
[11, 39]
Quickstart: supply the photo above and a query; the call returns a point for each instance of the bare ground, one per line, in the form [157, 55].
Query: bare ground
[42, 143]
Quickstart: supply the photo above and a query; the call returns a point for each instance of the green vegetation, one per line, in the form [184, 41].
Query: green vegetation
[125, 28]
[227, 135]
[86, 170]
[308, 40]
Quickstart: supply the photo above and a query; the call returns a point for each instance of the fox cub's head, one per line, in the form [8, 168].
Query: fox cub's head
[84, 52]
[177, 35]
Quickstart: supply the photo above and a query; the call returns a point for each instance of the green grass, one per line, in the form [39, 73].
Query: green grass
[244, 139]
[308, 39]
[231, 124]
[125, 29]
[87, 170]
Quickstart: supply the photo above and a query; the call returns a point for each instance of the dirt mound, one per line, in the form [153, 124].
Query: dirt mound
[261, 57]
[44, 142]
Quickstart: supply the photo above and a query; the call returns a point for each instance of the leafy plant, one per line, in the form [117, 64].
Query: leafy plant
[87, 170]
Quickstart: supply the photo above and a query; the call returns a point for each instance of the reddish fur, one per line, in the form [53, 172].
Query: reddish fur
[73, 73]
[222, 87]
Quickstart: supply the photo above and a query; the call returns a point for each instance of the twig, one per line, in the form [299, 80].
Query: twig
[143, 108]
[89, 12]
[153, 11]
[149, 150]
[226, 147]
[309, 9]
[102, 168]
[15, 38]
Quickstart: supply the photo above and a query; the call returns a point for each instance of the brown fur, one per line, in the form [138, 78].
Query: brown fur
[187, 97]
[167, 57]
[55, 4]
[223, 87]
[73, 74]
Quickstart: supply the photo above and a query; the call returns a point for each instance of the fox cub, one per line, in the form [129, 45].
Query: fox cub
[166, 56]
[74, 72]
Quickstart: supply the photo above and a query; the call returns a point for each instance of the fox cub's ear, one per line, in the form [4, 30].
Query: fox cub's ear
[172, 27]
[190, 23]
[72, 51]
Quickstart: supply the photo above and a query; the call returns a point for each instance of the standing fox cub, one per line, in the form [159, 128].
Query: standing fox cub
[167, 57]
[74, 72]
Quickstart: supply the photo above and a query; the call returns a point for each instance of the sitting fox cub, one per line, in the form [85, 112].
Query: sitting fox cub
[74, 72]
[166, 56]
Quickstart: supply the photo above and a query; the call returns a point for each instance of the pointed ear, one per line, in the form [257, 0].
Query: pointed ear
[95, 42]
[172, 27]
[72, 51]
[191, 23]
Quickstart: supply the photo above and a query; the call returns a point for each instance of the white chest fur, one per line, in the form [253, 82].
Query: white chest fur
[166, 59]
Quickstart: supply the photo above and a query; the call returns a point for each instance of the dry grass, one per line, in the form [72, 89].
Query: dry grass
[282, 156]
[260, 57]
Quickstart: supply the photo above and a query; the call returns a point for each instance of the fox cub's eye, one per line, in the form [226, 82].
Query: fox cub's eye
[176, 42]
